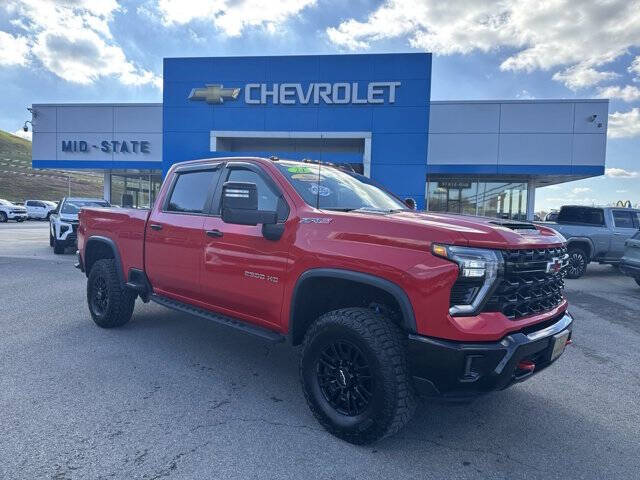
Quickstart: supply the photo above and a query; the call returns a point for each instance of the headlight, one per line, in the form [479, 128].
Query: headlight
[478, 274]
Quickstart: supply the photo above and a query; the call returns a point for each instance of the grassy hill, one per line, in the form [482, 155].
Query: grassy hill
[18, 181]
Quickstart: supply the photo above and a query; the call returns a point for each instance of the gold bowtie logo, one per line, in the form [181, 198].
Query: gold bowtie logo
[214, 93]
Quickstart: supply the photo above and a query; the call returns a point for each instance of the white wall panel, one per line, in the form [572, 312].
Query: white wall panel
[85, 119]
[461, 148]
[589, 149]
[464, 118]
[535, 149]
[44, 146]
[534, 117]
[584, 122]
[45, 119]
[138, 119]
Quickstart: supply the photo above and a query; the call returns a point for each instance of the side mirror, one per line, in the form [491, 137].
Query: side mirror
[410, 203]
[240, 205]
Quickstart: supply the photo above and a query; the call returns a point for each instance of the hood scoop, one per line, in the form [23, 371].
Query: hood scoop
[516, 226]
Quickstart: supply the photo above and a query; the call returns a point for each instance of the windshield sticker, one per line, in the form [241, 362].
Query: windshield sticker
[319, 190]
[307, 177]
[299, 170]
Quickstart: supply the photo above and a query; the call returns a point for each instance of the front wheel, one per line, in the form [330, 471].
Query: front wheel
[110, 304]
[637, 279]
[51, 239]
[58, 247]
[355, 375]
[3, 217]
[577, 263]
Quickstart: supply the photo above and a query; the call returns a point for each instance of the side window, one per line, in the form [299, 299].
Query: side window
[637, 220]
[267, 198]
[622, 219]
[29, 204]
[190, 191]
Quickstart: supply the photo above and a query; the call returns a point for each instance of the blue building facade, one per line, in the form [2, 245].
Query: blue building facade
[371, 111]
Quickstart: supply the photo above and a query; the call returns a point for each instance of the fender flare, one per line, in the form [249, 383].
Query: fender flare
[408, 317]
[586, 240]
[112, 246]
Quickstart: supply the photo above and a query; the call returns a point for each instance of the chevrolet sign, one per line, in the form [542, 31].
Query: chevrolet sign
[292, 93]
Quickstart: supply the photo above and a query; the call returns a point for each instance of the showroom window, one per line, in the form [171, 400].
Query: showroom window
[137, 190]
[471, 196]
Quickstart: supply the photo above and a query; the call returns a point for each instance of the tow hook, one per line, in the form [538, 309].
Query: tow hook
[526, 366]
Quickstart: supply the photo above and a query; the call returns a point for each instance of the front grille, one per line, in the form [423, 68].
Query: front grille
[526, 288]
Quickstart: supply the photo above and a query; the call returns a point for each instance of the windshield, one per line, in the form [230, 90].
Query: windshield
[333, 189]
[73, 206]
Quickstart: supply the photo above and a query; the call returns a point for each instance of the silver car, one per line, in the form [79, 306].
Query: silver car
[630, 262]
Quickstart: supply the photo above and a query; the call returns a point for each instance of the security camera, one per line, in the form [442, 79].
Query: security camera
[25, 128]
[592, 118]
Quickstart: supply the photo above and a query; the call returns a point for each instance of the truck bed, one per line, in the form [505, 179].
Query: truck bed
[124, 226]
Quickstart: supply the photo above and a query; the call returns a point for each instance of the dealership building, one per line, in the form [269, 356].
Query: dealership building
[372, 112]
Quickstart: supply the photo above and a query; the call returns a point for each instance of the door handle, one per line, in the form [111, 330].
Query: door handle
[155, 226]
[214, 233]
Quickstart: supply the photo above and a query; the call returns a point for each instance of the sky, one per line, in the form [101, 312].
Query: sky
[111, 51]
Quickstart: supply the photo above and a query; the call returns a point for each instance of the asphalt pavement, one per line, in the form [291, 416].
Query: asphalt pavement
[172, 396]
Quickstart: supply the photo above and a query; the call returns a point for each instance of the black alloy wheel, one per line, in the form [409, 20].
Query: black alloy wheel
[577, 263]
[345, 379]
[100, 296]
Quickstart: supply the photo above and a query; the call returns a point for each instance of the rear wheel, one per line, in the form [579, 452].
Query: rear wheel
[577, 263]
[110, 304]
[355, 375]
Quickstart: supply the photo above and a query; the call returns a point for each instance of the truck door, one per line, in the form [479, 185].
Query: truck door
[244, 273]
[624, 227]
[174, 239]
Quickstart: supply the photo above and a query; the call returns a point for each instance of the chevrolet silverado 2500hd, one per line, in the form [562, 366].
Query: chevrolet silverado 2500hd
[387, 303]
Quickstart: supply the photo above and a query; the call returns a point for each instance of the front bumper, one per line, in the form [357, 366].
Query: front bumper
[458, 370]
[630, 269]
[16, 216]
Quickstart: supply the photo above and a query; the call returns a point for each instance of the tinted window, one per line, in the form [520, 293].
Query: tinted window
[31, 204]
[190, 191]
[637, 219]
[587, 215]
[267, 198]
[622, 219]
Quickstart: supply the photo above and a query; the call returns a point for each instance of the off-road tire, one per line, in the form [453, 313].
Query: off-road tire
[578, 261]
[637, 279]
[384, 346]
[3, 217]
[58, 247]
[118, 306]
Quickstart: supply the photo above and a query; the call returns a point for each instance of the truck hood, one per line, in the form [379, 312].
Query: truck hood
[483, 232]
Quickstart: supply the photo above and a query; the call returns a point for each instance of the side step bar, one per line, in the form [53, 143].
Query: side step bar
[263, 333]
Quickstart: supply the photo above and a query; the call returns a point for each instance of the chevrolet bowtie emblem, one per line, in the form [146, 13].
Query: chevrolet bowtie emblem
[214, 93]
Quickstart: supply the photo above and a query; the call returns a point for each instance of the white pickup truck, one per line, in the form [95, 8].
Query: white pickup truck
[11, 211]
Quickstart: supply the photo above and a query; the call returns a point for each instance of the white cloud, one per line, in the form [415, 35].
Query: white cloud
[624, 124]
[582, 76]
[230, 16]
[577, 37]
[13, 49]
[621, 191]
[73, 40]
[22, 134]
[635, 66]
[628, 93]
[578, 190]
[620, 173]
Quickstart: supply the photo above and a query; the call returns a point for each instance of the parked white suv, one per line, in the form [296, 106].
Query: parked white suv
[11, 211]
[63, 221]
[40, 209]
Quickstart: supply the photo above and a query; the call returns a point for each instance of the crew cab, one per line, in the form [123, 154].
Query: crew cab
[387, 303]
[595, 234]
[63, 221]
[39, 209]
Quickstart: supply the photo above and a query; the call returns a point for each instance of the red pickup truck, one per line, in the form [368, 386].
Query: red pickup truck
[387, 303]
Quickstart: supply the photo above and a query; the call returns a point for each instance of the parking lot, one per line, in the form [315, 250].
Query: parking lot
[171, 396]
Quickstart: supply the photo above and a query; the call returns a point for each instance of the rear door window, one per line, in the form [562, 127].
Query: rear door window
[584, 215]
[191, 191]
[622, 219]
